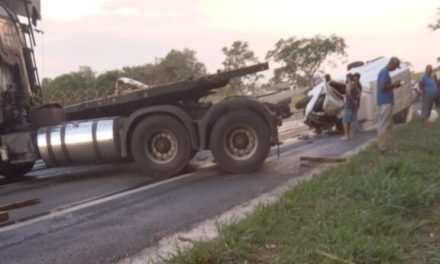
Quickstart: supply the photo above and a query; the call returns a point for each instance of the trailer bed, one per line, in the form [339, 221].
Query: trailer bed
[171, 93]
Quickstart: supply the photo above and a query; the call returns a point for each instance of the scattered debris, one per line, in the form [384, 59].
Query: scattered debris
[12, 206]
[4, 216]
[304, 164]
[201, 156]
[322, 159]
[185, 239]
[303, 137]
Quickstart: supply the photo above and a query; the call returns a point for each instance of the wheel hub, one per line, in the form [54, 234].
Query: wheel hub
[162, 145]
[162, 148]
[241, 143]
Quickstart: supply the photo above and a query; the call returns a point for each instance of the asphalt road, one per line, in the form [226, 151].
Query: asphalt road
[112, 213]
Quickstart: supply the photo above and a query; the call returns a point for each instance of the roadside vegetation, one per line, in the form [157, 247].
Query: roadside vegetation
[372, 209]
[292, 56]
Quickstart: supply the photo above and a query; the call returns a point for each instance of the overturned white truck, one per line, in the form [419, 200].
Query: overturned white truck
[323, 105]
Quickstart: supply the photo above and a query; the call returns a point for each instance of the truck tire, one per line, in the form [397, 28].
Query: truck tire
[161, 146]
[240, 142]
[15, 171]
[355, 64]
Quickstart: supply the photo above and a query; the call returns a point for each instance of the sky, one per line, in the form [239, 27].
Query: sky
[110, 34]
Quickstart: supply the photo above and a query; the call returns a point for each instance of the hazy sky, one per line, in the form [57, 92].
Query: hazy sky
[109, 34]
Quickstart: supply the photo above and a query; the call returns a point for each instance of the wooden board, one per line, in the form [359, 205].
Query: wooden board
[322, 159]
[16, 205]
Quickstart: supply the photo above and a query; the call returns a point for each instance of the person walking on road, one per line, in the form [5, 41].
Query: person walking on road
[429, 94]
[385, 102]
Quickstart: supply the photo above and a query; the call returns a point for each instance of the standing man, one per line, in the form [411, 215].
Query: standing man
[358, 85]
[385, 102]
[358, 88]
[437, 82]
[429, 91]
[350, 107]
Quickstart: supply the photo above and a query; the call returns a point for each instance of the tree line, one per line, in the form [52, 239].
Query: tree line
[295, 60]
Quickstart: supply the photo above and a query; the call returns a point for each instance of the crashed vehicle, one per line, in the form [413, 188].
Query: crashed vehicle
[278, 102]
[324, 103]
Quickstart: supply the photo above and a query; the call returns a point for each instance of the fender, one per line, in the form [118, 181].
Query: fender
[237, 103]
[173, 111]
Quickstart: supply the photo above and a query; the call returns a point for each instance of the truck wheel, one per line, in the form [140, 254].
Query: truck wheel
[15, 171]
[354, 64]
[240, 142]
[161, 146]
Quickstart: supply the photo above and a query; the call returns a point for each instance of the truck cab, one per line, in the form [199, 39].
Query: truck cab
[160, 128]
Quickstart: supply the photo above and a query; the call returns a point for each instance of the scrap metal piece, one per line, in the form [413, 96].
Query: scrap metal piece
[322, 159]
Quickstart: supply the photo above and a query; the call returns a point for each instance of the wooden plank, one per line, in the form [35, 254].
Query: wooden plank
[322, 159]
[4, 216]
[12, 206]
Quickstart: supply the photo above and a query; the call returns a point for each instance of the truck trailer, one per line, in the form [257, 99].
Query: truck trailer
[160, 128]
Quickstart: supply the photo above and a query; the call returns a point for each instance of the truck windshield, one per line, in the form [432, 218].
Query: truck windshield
[3, 12]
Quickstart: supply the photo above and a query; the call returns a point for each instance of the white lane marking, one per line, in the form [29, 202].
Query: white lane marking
[207, 230]
[93, 203]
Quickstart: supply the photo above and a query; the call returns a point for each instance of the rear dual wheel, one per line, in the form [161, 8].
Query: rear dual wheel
[240, 142]
[161, 146]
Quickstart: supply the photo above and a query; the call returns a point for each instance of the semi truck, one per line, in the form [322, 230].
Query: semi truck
[160, 128]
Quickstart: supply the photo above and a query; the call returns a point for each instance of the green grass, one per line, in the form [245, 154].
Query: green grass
[372, 209]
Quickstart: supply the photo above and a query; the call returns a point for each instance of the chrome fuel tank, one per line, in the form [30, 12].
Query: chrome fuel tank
[81, 142]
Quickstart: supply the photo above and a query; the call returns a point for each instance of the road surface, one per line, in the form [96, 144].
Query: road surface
[106, 213]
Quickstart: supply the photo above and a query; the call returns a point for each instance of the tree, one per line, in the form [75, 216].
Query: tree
[179, 65]
[300, 59]
[106, 81]
[176, 65]
[84, 85]
[236, 56]
[71, 87]
[143, 73]
[436, 25]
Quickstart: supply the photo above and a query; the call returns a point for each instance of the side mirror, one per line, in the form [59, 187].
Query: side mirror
[35, 16]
